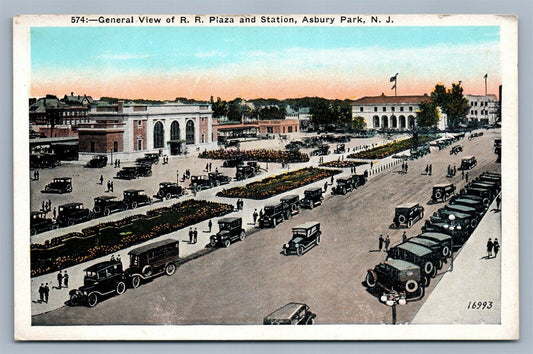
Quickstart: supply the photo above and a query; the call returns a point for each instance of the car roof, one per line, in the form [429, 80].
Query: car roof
[70, 204]
[462, 208]
[436, 235]
[106, 197]
[167, 183]
[414, 248]
[139, 250]
[442, 185]
[457, 214]
[467, 157]
[307, 225]
[62, 177]
[313, 189]
[289, 197]
[273, 205]
[423, 241]
[286, 311]
[401, 264]
[228, 219]
[133, 190]
[99, 266]
[38, 212]
[407, 206]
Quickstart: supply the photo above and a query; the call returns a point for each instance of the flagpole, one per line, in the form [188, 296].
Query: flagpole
[485, 84]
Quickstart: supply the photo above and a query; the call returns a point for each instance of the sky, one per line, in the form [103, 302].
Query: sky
[261, 62]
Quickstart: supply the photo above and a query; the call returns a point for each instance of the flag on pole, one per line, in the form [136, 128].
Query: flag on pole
[393, 87]
[486, 75]
[393, 78]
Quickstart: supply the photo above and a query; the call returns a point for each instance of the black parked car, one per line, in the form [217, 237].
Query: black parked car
[408, 214]
[230, 229]
[244, 172]
[72, 213]
[344, 185]
[233, 162]
[135, 197]
[201, 182]
[292, 203]
[468, 162]
[274, 214]
[459, 228]
[321, 151]
[218, 178]
[168, 190]
[127, 173]
[39, 222]
[97, 161]
[143, 170]
[427, 259]
[44, 161]
[359, 180]
[59, 185]
[485, 194]
[293, 313]
[398, 275]
[456, 149]
[445, 242]
[466, 200]
[105, 204]
[102, 279]
[152, 260]
[442, 192]
[304, 237]
[312, 197]
[340, 149]
[148, 158]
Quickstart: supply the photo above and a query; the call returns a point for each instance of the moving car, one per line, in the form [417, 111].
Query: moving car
[72, 213]
[168, 190]
[97, 161]
[292, 203]
[273, 215]
[105, 204]
[39, 222]
[468, 162]
[230, 229]
[135, 197]
[201, 182]
[148, 158]
[129, 172]
[293, 313]
[218, 178]
[312, 197]
[59, 185]
[442, 192]
[456, 149]
[408, 214]
[340, 149]
[244, 172]
[304, 237]
[344, 185]
[233, 162]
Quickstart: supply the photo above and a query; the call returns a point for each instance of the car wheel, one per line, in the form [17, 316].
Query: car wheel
[401, 219]
[170, 269]
[411, 286]
[135, 281]
[310, 321]
[213, 243]
[55, 227]
[317, 241]
[69, 188]
[428, 268]
[107, 211]
[426, 281]
[300, 251]
[440, 263]
[92, 299]
[147, 271]
[445, 251]
[227, 243]
[97, 210]
[33, 231]
[242, 236]
[121, 288]
[133, 205]
[161, 194]
[168, 196]
[409, 223]
[47, 189]
[371, 278]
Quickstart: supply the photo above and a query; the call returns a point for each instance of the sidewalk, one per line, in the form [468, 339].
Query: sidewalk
[474, 279]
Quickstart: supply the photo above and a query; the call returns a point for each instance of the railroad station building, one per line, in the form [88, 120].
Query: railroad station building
[129, 130]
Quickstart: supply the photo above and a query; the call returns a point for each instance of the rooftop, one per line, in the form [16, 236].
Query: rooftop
[391, 99]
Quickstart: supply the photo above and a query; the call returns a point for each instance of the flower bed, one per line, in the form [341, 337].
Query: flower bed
[343, 164]
[386, 150]
[100, 240]
[261, 155]
[275, 185]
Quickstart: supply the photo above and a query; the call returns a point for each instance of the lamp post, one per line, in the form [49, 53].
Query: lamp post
[451, 217]
[392, 299]
[111, 151]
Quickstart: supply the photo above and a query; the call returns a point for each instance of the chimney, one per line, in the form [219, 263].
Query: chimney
[120, 106]
[72, 93]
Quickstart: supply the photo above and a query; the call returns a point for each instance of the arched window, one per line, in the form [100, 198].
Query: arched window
[411, 122]
[384, 121]
[174, 131]
[159, 135]
[402, 122]
[393, 122]
[189, 132]
[376, 122]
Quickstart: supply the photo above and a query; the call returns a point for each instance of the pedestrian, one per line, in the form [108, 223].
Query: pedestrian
[115, 164]
[195, 235]
[65, 279]
[490, 246]
[254, 215]
[466, 177]
[118, 259]
[41, 293]
[46, 206]
[108, 185]
[406, 167]
[210, 166]
[46, 291]
[191, 235]
[207, 167]
[49, 208]
[427, 169]
[454, 170]
[387, 244]
[36, 175]
[210, 225]
[496, 245]
[462, 174]
[55, 212]
[101, 179]
[118, 163]
[112, 186]
[43, 206]
[332, 179]
[59, 279]
[498, 202]
[261, 213]
[381, 240]
[403, 166]
[325, 187]
[404, 237]
[177, 176]
[430, 168]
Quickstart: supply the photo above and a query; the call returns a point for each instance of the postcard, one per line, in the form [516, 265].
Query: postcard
[211, 177]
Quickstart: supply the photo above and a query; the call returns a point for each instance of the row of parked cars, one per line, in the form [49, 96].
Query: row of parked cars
[410, 265]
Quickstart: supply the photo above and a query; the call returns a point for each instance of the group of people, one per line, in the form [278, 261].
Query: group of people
[464, 175]
[429, 169]
[36, 175]
[46, 206]
[240, 204]
[257, 216]
[186, 175]
[208, 167]
[117, 163]
[44, 289]
[110, 186]
[492, 246]
[165, 160]
[452, 170]
[404, 167]
[384, 243]
[193, 235]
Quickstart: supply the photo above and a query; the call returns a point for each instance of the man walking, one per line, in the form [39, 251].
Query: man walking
[46, 291]
[490, 245]
[254, 215]
[112, 186]
[59, 279]
[387, 244]
[210, 225]
[498, 202]
[65, 279]
[466, 177]
[430, 168]
[55, 213]
[462, 174]
[381, 240]
[404, 237]
[41, 293]
[101, 179]
[496, 246]
[191, 235]
[195, 235]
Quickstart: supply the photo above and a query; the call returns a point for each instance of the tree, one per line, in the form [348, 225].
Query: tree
[451, 101]
[427, 115]
[234, 110]
[220, 108]
[358, 123]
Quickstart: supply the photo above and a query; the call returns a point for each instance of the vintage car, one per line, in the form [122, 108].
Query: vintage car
[39, 222]
[143, 169]
[230, 229]
[489, 177]
[101, 279]
[233, 162]
[218, 178]
[442, 192]
[445, 242]
[152, 260]
[434, 246]
[292, 146]
[321, 151]
[105, 204]
[201, 182]
[492, 186]
[59, 185]
[168, 190]
[473, 212]
[233, 143]
[468, 162]
[304, 237]
[408, 214]
[97, 161]
[293, 313]
[419, 152]
[292, 203]
[244, 172]
[427, 259]
[44, 161]
[274, 214]
[149, 159]
[312, 197]
[72, 213]
[127, 173]
[459, 228]
[340, 149]
[465, 200]
[135, 197]
[485, 194]
[396, 274]
[359, 180]
[456, 149]
[344, 185]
